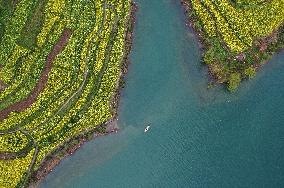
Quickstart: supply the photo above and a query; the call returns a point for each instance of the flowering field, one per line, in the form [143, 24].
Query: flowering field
[238, 35]
[60, 62]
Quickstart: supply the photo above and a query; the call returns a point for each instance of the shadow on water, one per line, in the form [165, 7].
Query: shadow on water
[198, 137]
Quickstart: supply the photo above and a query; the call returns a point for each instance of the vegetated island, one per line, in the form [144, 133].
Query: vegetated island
[61, 67]
[237, 36]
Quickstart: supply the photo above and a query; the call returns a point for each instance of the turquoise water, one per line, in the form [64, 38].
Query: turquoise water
[198, 137]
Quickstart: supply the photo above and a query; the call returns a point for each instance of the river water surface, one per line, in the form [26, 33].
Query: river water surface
[198, 137]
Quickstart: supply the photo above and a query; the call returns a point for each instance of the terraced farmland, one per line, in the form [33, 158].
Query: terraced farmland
[60, 64]
[238, 35]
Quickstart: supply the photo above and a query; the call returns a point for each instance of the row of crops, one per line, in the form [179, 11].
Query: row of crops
[60, 62]
[237, 35]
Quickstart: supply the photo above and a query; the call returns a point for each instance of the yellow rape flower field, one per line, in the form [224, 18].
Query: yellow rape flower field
[238, 35]
[60, 65]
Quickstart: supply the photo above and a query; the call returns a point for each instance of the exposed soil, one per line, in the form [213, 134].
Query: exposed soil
[54, 159]
[2, 85]
[26, 103]
[72, 145]
[266, 41]
[8, 156]
[12, 155]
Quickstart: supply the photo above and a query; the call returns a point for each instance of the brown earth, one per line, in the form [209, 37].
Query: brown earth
[26, 103]
[2, 85]
[266, 41]
[56, 156]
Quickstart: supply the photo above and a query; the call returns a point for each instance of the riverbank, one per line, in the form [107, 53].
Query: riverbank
[198, 33]
[70, 146]
[224, 65]
[198, 138]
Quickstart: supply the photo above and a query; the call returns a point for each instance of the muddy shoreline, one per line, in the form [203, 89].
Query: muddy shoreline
[110, 127]
[190, 22]
[199, 36]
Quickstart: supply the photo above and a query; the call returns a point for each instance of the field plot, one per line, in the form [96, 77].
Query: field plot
[238, 35]
[60, 63]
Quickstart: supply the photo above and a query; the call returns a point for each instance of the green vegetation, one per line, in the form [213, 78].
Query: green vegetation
[33, 26]
[234, 81]
[60, 61]
[250, 72]
[6, 10]
[239, 35]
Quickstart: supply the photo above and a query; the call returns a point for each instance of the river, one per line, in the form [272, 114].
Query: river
[198, 137]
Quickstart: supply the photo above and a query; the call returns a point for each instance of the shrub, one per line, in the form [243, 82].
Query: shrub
[234, 81]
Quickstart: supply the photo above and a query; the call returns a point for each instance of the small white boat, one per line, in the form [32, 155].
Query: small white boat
[147, 128]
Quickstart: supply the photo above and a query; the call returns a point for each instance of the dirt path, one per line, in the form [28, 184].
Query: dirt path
[56, 156]
[2, 85]
[86, 71]
[26, 103]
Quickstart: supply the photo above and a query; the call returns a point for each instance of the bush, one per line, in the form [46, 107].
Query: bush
[250, 72]
[234, 81]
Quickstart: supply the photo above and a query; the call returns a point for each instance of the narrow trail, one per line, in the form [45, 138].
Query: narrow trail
[24, 151]
[2, 85]
[56, 50]
[2, 132]
[86, 72]
[22, 105]
[40, 86]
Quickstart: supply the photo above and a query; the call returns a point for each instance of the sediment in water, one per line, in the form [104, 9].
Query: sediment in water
[70, 146]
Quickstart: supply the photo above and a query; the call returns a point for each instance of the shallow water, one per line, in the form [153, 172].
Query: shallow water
[198, 137]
